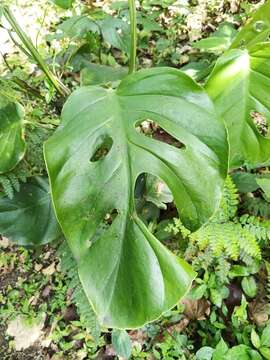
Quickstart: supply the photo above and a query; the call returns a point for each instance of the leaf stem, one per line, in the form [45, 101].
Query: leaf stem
[58, 85]
[133, 33]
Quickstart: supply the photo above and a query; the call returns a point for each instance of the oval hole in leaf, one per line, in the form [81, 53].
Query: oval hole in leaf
[260, 122]
[151, 195]
[106, 222]
[103, 147]
[152, 129]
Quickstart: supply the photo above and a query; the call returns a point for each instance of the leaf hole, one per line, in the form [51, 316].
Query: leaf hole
[260, 122]
[103, 226]
[102, 148]
[110, 217]
[152, 195]
[152, 129]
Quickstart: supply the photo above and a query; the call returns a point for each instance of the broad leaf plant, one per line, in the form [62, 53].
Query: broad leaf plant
[96, 156]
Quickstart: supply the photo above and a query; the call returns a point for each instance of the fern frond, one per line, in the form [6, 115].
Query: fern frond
[229, 238]
[229, 234]
[222, 269]
[248, 243]
[258, 227]
[176, 227]
[10, 181]
[6, 186]
[34, 154]
[14, 181]
[229, 202]
[267, 266]
[85, 310]
[203, 261]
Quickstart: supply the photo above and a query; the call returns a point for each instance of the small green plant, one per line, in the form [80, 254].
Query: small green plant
[226, 237]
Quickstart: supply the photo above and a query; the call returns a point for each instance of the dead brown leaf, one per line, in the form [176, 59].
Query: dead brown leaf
[49, 270]
[179, 327]
[4, 242]
[196, 309]
[258, 312]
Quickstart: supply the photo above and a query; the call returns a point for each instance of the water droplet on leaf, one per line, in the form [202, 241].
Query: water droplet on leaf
[259, 26]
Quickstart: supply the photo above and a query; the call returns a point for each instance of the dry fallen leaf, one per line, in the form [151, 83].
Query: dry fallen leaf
[46, 292]
[4, 242]
[38, 267]
[49, 270]
[179, 327]
[137, 337]
[47, 255]
[258, 312]
[25, 333]
[110, 350]
[196, 309]
[33, 299]
[234, 6]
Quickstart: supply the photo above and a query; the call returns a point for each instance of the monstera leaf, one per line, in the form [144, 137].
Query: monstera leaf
[94, 159]
[256, 30]
[12, 144]
[239, 86]
[28, 218]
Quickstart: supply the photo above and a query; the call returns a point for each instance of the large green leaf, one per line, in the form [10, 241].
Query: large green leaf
[28, 218]
[12, 144]
[128, 275]
[256, 30]
[239, 86]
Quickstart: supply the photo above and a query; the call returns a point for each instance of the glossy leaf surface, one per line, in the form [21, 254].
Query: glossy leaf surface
[128, 275]
[12, 144]
[239, 86]
[28, 218]
[256, 30]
